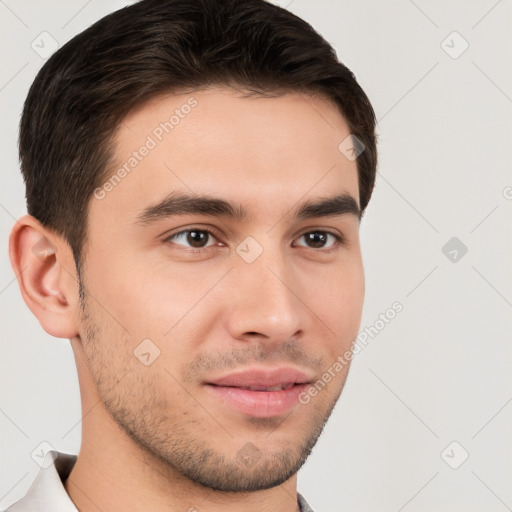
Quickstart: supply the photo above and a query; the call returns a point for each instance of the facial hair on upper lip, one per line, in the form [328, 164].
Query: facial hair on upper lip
[285, 353]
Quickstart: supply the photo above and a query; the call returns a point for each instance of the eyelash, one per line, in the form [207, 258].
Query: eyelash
[339, 239]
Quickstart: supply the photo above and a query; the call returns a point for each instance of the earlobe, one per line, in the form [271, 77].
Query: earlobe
[46, 275]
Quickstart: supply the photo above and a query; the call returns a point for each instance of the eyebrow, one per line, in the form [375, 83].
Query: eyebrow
[182, 204]
[341, 204]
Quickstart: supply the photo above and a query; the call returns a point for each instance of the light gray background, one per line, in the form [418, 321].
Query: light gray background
[440, 371]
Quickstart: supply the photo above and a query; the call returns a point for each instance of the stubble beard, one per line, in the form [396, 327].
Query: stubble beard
[141, 410]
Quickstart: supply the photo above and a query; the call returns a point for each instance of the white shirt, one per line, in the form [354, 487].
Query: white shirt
[47, 492]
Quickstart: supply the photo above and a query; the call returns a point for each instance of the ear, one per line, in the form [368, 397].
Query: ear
[44, 266]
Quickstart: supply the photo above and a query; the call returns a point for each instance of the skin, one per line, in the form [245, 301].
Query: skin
[153, 437]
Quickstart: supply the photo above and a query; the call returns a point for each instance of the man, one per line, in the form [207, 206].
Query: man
[196, 172]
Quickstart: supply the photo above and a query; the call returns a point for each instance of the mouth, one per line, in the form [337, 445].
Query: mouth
[279, 387]
[260, 393]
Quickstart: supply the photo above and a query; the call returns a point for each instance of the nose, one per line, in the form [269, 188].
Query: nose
[266, 303]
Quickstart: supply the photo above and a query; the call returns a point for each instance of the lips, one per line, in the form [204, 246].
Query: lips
[263, 378]
[279, 387]
[260, 392]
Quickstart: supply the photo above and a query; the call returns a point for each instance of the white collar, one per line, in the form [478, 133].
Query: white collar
[47, 492]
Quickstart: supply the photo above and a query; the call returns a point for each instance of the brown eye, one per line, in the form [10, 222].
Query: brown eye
[318, 240]
[194, 238]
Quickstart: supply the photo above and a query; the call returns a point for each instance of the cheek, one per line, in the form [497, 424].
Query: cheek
[154, 301]
[339, 300]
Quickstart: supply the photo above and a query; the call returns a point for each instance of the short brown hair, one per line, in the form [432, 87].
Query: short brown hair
[84, 91]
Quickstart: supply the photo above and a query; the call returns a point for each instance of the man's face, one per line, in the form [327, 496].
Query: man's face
[204, 310]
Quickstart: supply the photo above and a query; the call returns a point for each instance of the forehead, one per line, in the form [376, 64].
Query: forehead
[250, 149]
